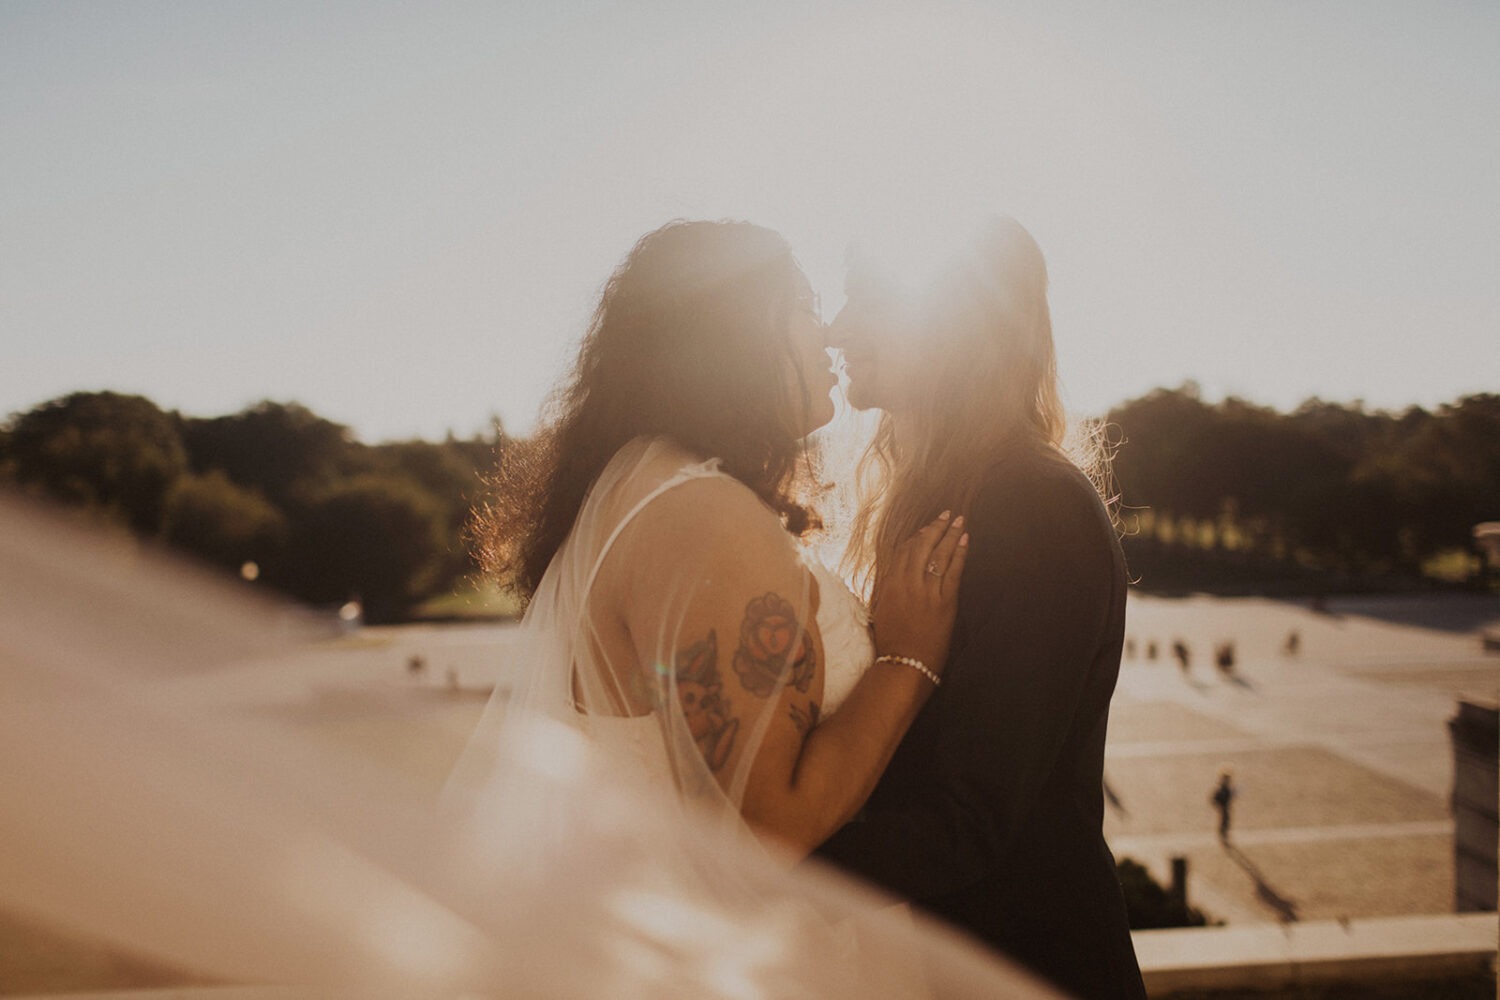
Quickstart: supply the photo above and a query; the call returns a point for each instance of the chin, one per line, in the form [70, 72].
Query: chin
[819, 415]
[860, 398]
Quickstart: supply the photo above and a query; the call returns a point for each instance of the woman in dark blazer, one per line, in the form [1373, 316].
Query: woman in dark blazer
[990, 814]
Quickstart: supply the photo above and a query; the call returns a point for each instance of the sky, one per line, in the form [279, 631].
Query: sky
[401, 215]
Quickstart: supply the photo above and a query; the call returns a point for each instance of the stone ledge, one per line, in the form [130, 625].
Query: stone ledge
[1276, 956]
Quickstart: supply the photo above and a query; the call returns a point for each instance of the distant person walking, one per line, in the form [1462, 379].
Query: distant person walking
[1184, 658]
[1223, 795]
[1224, 658]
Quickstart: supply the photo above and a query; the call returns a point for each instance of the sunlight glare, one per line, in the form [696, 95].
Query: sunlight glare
[911, 252]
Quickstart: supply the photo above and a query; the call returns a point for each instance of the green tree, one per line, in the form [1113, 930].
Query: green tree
[119, 453]
[282, 450]
[1444, 472]
[450, 472]
[1163, 435]
[7, 471]
[222, 523]
[375, 537]
[1327, 489]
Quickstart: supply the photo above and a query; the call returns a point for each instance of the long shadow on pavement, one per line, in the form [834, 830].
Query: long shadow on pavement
[1286, 909]
[1238, 679]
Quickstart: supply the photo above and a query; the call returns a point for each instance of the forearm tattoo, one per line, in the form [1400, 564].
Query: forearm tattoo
[699, 688]
[772, 645]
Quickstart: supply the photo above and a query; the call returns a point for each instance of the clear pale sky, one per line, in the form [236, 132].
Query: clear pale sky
[401, 215]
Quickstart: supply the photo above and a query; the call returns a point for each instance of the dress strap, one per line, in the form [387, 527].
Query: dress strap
[698, 470]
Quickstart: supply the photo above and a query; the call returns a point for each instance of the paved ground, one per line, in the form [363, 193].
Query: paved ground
[1340, 752]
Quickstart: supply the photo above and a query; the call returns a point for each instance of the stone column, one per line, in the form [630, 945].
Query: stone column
[1487, 535]
[1475, 731]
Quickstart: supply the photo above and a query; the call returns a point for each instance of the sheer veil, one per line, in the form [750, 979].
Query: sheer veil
[145, 805]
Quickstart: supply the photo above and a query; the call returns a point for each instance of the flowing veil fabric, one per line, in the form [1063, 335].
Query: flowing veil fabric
[235, 849]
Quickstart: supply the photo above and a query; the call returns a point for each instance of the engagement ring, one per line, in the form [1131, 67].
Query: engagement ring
[932, 568]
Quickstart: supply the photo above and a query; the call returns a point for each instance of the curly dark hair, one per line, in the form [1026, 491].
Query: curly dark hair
[689, 342]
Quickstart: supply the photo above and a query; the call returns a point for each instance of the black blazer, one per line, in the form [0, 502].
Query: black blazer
[990, 813]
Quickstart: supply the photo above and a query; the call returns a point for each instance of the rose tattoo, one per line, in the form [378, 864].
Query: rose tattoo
[773, 644]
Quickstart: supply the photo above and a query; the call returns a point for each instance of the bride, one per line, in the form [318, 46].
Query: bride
[653, 528]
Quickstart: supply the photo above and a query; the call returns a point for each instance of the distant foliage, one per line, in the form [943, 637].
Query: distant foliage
[378, 538]
[222, 523]
[322, 517]
[1226, 496]
[99, 449]
[449, 474]
[1327, 496]
[281, 450]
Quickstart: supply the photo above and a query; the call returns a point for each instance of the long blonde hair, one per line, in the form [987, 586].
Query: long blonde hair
[989, 392]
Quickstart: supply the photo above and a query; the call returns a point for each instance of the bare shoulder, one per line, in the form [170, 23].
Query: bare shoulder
[715, 514]
[707, 538]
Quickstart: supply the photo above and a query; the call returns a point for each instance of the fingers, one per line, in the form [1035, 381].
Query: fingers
[956, 566]
[937, 565]
[916, 595]
[912, 555]
[928, 536]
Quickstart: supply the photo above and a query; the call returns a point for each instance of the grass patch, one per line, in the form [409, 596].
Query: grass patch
[471, 601]
[1453, 566]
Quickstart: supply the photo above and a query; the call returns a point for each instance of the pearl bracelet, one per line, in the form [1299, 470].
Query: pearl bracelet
[913, 662]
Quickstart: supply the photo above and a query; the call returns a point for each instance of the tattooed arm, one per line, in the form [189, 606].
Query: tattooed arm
[747, 671]
[709, 712]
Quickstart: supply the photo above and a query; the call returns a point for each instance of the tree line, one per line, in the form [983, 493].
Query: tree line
[1226, 496]
[1235, 496]
[274, 492]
